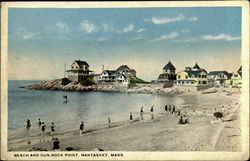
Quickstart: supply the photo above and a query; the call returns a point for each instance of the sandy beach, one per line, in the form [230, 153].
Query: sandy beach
[161, 134]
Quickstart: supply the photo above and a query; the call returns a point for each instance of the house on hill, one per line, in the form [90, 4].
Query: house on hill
[195, 76]
[124, 69]
[107, 76]
[120, 75]
[218, 78]
[168, 75]
[236, 79]
[79, 71]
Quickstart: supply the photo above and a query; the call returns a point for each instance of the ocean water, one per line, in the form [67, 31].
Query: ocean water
[91, 107]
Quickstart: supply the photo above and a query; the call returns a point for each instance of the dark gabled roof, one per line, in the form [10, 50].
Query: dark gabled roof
[121, 75]
[240, 69]
[167, 76]
[132, 70]
[123, 67]
[111, 72]
[240, 73]
[196, 66]
[192, 72]
[217, 72]
[79, 62]
[169, 65]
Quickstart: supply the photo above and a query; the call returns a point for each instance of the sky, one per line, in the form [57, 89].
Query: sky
[42, 40]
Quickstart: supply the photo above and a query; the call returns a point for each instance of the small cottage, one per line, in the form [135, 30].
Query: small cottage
[79, 71]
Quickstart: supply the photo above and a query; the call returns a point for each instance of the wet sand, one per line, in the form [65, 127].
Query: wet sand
[162, 134]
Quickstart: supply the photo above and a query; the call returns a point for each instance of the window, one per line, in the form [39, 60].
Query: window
[204, 82]
[192, 82]
[199, 82]
[235, 75]
[179, 76]
[199, 76]
[186, 76]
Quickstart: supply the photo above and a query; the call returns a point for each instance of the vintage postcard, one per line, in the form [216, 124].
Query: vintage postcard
[125, 81]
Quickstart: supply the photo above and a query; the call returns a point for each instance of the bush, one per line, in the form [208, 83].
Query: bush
[87, 81]
[134, 79]
[65, 81]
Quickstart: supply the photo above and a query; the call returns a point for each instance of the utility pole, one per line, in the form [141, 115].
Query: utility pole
[64, 70]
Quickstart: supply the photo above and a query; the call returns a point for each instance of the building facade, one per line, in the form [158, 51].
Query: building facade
[192, 77]
[168, 75]
[236, 79]
[120, 75]
[79, 71]
[218, 78]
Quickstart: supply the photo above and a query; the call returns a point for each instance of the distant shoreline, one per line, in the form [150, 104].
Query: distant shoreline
[156, 89]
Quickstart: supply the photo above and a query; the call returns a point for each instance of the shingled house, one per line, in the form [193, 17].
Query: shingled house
[195, 76]
[79, 71]
[120, 75]
[218, 78]
[236, 79]
[168, 75]
[124, 69]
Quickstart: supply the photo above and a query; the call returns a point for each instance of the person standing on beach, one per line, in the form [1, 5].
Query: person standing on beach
[173, 109]
[39, 122]
[43, 131]
[52, 128]
[166, 108]
[131, 117]
[28, 124]
[169, 108]
[152, 112]
[81, 128]
[141, 113]
[109, 120]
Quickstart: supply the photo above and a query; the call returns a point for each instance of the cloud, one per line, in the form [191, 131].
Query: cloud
[106, 28]
[135, 38]
[128, 28]
[193, 19]
[165, 20]
[167, 36]
[162, 20]
[141, 30]
[185, 30]
[87, 27]
[24, 34]
[220, 37]
[102, 39]
[28, 35]
[62, 27]
[186, 40]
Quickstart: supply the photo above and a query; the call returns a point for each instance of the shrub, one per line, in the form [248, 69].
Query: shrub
[134, 79]
[65, 81]
[87, 81]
